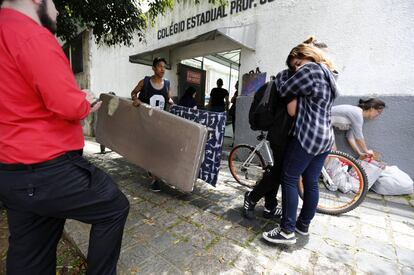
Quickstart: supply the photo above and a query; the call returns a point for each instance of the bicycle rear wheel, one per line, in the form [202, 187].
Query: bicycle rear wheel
[245, 166]
[343, 187]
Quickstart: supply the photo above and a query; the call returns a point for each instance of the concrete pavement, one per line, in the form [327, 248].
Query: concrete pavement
[204, 233]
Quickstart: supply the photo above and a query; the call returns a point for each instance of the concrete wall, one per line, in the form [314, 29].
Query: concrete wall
[83, 78]
[370, 41]
[392, 134]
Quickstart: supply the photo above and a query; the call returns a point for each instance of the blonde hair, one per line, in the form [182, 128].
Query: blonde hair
[311, 53]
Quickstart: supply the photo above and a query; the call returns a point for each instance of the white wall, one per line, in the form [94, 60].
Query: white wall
[370, 41]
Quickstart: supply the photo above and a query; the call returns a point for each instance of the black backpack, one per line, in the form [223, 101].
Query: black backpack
[262, 110]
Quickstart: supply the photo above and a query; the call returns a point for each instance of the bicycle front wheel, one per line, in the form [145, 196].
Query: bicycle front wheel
[246, 165]
[343, 184]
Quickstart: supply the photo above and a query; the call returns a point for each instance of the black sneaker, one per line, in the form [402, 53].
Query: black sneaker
[248, 207]
[278, 235]
[272, 214]
[302, 229]
[155, 186]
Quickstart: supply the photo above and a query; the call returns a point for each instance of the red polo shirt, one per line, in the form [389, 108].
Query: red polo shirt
[40, 103]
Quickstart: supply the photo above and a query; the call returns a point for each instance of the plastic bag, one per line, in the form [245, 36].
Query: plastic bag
[373, 170]
[393, 181]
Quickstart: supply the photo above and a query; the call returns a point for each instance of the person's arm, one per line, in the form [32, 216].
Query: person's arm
[209, 100]
[357, 135]
[292, 107]
[170, 100]
[366, 152]
[227, 102]
[233, 98]
[46, 69]
[358, 145]
[134, 94]
[301, 83]
[137, 90]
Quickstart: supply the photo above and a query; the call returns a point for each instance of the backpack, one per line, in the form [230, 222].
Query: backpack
[262, 110]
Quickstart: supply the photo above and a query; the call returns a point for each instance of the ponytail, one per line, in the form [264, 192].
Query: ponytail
[375, 103]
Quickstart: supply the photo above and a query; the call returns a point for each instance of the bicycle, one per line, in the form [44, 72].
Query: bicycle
[343, 183]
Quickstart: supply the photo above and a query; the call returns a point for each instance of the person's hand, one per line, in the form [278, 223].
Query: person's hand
[170, 101]
[95, 107]
[368, 154]
[136, 102]
[90, 97]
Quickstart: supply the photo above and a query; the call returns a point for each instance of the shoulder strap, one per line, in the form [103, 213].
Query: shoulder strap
[147, 80]
[167, 84]
[266, 96]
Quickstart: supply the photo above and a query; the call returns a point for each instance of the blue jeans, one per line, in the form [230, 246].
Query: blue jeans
[298, 162]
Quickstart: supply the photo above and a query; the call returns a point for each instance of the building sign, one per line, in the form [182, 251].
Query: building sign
[194, 77]
[234, 7]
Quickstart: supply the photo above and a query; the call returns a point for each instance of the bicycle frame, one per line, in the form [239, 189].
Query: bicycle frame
[263, 143]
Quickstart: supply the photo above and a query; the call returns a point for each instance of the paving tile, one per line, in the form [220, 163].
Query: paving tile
[240, 234]
[406, 241]
[336, 252]
[326, 265]
[407, 270]
[146, 232]
[163, 241]
[154, 265]
[186, 209]
[299, 258]
[203, 264]
[225, 250]
[341, 235]
[232, 216]
[377, 233]
[148, 209]
[405, 227]
[132, 257]
[184, 230]
[135, 218]
[396, 199]
[79, 232]
[261, 246]
[212, 222]
[378, 248]
[374, 219]
[249, 262]
[277, 268]
[201, 238]
[180, 254]
[374, 264]
[346, 222]
[405, 256]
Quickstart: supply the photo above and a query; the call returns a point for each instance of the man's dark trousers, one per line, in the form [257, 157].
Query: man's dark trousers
[39, 200]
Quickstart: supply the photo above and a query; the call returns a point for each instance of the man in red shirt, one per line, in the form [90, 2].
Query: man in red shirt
[43, 177]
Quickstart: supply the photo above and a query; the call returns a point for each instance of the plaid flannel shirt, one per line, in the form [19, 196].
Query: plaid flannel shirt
[315, 88]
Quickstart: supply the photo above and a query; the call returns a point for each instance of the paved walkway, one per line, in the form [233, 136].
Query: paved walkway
[203, 232]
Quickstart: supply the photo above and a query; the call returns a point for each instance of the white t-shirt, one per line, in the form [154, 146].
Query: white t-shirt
[353, 114]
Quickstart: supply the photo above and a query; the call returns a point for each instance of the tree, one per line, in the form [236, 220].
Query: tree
[112, 22]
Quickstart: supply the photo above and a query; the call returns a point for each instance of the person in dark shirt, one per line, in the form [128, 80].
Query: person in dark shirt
[155, 91]
[219, 98]
[232, 110]
[187, 100]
